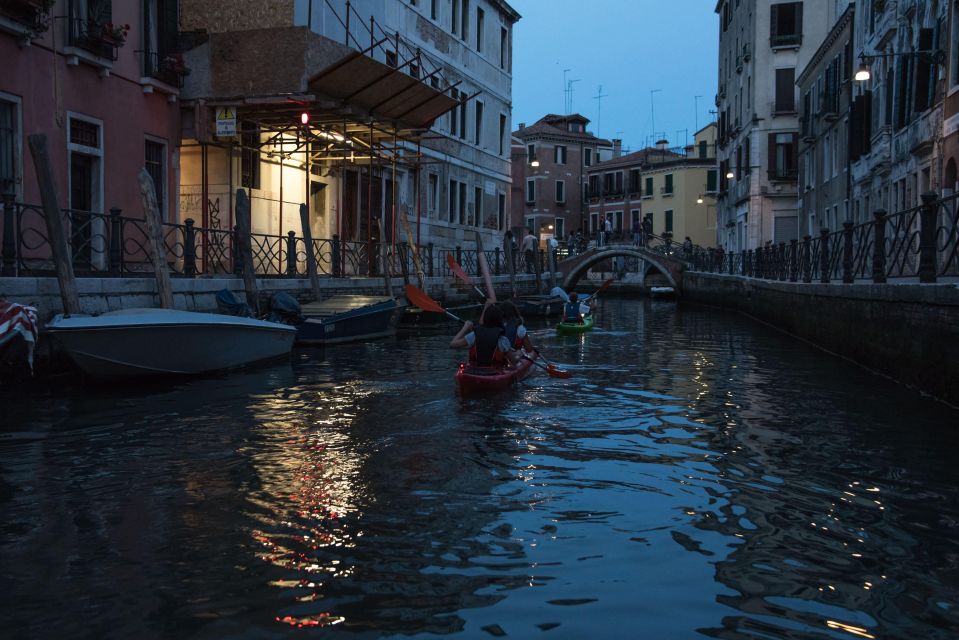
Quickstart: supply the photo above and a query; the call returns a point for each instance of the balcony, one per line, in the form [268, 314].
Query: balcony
[100, 39]
[783, 174]
[785, 40]
[25, 18]
[169, 70]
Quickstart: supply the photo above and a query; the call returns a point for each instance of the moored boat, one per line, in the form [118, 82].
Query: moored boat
[575, 327]
[348, 318]
[539, 305]
[471, 378]
[143, 342]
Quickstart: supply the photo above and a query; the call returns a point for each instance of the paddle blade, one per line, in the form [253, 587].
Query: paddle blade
[418, 297]
[605, 285]
[458, 270]
[558, 292]
[553, 372]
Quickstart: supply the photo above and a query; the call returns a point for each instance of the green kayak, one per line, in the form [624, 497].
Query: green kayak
[575, 327]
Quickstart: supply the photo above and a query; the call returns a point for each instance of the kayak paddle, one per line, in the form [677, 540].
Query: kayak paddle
[550, 370]
[459, 273]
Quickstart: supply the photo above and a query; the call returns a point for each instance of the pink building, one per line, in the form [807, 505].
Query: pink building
[100, 79]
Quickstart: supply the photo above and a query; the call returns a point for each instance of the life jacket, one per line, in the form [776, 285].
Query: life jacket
[512, 333]
[484, 351]
[571, 312]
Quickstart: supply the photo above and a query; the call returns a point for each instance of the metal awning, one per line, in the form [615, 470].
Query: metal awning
[385, 93]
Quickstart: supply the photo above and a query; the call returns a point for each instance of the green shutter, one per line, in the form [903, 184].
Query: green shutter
[710, 180]
[669, 183]
[649, 187]
[669, 220]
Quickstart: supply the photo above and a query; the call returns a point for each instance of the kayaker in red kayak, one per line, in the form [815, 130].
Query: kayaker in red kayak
[487, 342]
[515, 327]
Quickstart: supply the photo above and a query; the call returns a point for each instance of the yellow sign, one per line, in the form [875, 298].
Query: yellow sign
[225, 121]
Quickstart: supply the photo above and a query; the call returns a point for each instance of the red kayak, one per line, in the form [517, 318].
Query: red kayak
[474, 379]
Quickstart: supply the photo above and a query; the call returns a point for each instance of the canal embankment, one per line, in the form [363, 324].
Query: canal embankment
[909, 332]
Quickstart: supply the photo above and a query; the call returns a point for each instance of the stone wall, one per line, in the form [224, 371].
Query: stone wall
[909, 332]
[199, 294]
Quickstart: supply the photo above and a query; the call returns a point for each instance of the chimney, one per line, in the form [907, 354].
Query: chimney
[661, 144]
[522, 125]
[617, 147]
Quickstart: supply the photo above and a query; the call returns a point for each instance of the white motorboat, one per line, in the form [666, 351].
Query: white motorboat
[142, 342]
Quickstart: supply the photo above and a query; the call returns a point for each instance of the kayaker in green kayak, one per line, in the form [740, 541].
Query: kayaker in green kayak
[574, 310]
[487, 342]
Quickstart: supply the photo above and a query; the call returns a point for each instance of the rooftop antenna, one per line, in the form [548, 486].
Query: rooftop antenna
[652, 112]
[686, 134]
[565, 92]
[599, 108]
[569, 91]
[696, 101]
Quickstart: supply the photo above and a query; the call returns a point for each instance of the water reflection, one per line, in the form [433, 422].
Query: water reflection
[699, 475]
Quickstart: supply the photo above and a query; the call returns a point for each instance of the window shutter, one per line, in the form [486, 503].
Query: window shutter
[710, 180]
[923, 72]
[794, 156]
[771, 143]
[169, 24]
[798, 18]
[774, 20]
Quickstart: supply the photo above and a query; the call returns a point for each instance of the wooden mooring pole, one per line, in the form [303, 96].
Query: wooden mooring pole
[245, 247]
[155, 242]
[51, 213]
[310, 254]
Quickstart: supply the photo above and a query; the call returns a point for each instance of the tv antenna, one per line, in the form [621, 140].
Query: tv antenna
[599, 108]
[696, 102]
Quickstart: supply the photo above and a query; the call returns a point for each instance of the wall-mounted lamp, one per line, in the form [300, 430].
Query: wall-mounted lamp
[863, 73]
[534, 163]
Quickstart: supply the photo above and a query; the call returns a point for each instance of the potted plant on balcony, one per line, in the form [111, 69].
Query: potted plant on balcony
[115, 34]
[175, 64]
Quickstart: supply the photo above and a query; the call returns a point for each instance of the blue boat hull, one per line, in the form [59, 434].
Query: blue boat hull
[364, 323]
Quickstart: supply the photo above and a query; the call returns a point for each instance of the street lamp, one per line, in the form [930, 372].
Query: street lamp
[863, 73]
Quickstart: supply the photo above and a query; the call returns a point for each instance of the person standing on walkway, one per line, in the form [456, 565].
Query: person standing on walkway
[608, 228]
[637, 233]
[529, 250]
[647, 229]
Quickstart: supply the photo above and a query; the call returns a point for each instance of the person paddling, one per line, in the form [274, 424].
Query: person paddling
[487, 342]
[574, 310]
[515, 327]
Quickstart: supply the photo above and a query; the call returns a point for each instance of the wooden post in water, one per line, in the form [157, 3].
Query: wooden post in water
[157, 250]
[417, 263]
[51, 213]
[484, 268]
[243, 240]
[385, 261]
[310, 254]
[510, 264]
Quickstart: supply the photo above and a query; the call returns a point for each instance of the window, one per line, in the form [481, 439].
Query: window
[479, 30]
[465, 14]
[703, 150]
[455, 18]
[432, 190]
[648, 192]
[559, 227]
[462, 131]
[619, 182]
[668, 189]
[782, 156]
[668, 225]
[529, 223]
[594, 186]
[503, 42]
[453, 200]
[954, 48]
[785, 24]
[560, 191]
[634, 186]
[250, 156]
[9, 143]
[633, 217]
[530, 152]
[160, 25]
[461, 207]
[501, 210]
[433, 13]
[478, 206]
[154, 161]
[925, 78]
[588, 157]
[710, 181]
[502, 134]
[530, 191]
[785, 90]
[478, 124]
[559, 154]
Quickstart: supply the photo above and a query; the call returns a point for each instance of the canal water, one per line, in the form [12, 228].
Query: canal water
[700, 475]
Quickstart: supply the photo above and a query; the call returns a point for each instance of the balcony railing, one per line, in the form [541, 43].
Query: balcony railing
[90, 36]
[786, 40]
[166, 69]
[34, 15]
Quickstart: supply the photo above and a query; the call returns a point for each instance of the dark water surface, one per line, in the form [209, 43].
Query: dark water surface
[700, 476]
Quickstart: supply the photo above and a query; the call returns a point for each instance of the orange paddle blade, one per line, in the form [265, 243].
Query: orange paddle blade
[553, 372]
[418, 297]
[458, 270]
[605, 285]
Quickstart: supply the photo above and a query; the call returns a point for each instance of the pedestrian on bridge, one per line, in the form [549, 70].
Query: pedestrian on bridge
[608, 229]
[637, 233]
[529, 250]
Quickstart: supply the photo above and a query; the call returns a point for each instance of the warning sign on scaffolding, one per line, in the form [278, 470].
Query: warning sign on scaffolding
[225, 121]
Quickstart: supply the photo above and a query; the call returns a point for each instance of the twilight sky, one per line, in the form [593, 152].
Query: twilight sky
[630, 47]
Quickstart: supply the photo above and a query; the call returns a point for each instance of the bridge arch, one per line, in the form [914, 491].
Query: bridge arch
[576, 267]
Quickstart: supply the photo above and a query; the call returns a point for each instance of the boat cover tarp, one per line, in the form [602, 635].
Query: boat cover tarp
[18, 335]
[227, 303]
[284, 308]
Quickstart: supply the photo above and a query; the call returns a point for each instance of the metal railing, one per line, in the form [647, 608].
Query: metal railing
[113, 245]
[920, 243]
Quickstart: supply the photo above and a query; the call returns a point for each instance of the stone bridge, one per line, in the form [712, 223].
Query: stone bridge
[575, 267]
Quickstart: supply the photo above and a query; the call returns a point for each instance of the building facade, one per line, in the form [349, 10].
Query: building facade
[762, 46]
[551, 193]
[388, 120]
[100, 80]
[950, 128]
[675, 189]
[900, 122]
[826, 118]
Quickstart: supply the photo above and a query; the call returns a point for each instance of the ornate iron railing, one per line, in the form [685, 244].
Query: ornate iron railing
[110, 244]
[920, 243]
